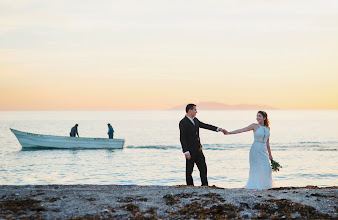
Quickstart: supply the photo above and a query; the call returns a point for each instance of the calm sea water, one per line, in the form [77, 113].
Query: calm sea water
[304, 142]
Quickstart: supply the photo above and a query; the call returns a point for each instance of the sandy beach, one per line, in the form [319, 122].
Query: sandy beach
[164, 202]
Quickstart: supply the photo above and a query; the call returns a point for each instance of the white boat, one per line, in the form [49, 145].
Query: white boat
[30, 140]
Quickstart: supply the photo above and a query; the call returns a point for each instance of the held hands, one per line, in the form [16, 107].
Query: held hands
[223, 131]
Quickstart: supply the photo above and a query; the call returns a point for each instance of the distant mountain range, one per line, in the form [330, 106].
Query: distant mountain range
[221, 106]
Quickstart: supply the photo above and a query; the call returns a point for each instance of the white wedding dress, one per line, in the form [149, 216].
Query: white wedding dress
[260, 176]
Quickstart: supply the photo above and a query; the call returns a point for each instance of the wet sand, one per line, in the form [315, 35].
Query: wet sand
[165, 202]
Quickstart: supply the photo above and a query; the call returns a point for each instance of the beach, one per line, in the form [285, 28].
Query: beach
[164, 202]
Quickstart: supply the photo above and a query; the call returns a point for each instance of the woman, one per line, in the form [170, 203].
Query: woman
[260, 176]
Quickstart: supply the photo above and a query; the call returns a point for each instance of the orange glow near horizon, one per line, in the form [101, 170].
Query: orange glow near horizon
[114, 56]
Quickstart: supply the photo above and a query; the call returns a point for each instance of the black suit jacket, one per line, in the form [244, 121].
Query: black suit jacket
[189, 134]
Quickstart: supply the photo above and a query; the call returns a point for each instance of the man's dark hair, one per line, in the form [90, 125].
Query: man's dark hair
[189, 106]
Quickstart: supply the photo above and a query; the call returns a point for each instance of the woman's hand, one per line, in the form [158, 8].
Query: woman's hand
[270, 157]
[225, 132]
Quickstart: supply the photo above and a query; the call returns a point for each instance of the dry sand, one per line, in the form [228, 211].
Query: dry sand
[164, 202]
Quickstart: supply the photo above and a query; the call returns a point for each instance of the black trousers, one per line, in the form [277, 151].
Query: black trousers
[199, 159]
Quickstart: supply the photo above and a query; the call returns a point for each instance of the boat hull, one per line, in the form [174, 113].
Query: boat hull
[30, 140]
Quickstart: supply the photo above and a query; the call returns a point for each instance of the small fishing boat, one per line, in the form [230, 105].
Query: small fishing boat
[30, 140]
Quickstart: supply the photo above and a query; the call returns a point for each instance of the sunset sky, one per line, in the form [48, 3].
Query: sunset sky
[153, 54]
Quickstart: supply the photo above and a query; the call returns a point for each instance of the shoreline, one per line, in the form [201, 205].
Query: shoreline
[164, 202]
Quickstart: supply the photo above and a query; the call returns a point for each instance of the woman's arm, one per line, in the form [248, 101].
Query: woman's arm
[268, 148]
[248, 128]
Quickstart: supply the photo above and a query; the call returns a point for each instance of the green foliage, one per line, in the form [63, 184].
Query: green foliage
[275, 166]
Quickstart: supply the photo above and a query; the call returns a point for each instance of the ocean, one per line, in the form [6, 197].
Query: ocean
[305, 143]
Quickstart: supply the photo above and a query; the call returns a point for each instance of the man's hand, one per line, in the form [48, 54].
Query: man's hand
[187, 156]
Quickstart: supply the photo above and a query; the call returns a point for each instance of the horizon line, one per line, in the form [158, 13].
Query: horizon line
[288, 109]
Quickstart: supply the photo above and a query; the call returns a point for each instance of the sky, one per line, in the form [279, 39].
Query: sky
[154, 54]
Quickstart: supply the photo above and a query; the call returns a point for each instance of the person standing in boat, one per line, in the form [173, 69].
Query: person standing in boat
[74, 132]
[110, 131]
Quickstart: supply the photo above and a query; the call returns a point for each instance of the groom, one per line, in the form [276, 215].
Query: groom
[191, 145]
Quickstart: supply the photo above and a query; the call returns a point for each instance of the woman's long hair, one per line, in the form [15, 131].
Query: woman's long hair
[265, 115]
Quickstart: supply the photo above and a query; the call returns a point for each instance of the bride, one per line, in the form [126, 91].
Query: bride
[260, 176]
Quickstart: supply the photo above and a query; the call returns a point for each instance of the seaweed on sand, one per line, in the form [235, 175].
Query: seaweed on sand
[284, 208]
[197, 210]
[18, 207]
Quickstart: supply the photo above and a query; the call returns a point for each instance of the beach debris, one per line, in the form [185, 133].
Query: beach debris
[171, 200]
[86, 217]
[149, 214]
[134, 209]
[18, 207]
[105, 210]
[215, 187]
[321, 195]
[214, 196]
[197, 210]
[311, 187]
[284, 208]
[284, 188]
[142, 199]
[132, 199]
[244, 205]
[39, 194]
[306, 187]
[53, 199]
[126, 199]
[169, 203]
[185, 195]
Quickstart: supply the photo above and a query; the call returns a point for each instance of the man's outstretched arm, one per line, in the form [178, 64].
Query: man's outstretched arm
[211, 127]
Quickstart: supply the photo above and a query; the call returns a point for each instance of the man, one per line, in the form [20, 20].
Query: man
[191, 145]
[74, 132]
[110, 131]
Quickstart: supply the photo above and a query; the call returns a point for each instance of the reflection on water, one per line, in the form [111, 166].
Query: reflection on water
[63, 149]
[153, 155]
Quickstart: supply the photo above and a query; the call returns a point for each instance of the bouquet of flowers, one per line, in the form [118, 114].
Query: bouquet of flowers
[275, 166]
